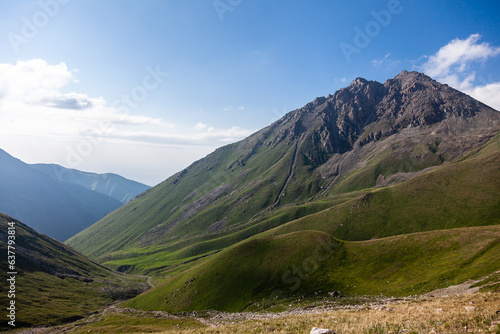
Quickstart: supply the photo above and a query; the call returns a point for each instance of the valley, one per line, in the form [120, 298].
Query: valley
[352, 213]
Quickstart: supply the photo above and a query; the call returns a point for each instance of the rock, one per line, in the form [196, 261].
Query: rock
[470, 308]
[334, 294]
[321, 331]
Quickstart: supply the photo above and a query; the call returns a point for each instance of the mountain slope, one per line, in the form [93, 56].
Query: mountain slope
[459, 194]
[50, 207]
[260, 273]
[364, 135]
[56, 284]
[305, 260]
[108, 184]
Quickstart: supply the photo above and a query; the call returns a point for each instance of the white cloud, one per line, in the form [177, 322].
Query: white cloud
[453, 63]
[32, 102]
[489, 94]
[200, 126]
[38, 115]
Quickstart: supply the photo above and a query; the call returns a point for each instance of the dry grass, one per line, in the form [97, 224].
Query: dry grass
[478, 313]
[473, 313]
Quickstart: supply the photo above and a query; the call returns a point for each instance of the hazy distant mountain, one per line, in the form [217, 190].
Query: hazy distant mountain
[108, 184]
[58, 209]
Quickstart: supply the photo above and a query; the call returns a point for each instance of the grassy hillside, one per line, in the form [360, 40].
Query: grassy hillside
[284, 164]
[399, 240]
[56, 284]
[262, 272]
[459, 194]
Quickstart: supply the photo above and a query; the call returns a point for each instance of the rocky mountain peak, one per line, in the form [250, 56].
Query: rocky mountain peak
[367, 111]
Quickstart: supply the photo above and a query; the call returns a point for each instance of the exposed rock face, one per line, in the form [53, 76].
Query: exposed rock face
[365, 135]
[338, 133]
[367, 111]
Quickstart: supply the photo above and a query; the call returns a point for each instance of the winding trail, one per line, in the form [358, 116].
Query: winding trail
[288, 178]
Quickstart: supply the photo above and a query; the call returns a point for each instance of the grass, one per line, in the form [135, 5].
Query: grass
[55, 284]
[441, 315]
[451, 314]
[457, 195]
[156, 258]
[261, 273]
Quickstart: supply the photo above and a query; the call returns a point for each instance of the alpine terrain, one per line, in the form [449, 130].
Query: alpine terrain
[379, 189]
[58, 209]
[109, 184]
[52, 282]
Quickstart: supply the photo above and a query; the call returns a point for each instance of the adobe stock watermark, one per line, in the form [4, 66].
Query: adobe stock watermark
[223, 6]
[372, 29]
[277, 114]
[32, 26]
[295, 275]
[124, 105]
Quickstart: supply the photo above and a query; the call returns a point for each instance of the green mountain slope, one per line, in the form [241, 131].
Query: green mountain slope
[306, 255]
[262, 272]
[365, 135]
[378, 189]
[457, 195]
[460, 194]
[54, 283]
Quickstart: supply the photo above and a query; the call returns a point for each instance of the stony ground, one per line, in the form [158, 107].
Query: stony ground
[439, 312]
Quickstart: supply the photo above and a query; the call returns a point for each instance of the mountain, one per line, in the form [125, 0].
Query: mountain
[54, 283]
[58, 209]
[109, 184]
[379, 189]
[370, 245]
[366, 135]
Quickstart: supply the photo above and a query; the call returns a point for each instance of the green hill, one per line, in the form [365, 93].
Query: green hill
[262, 272]
[364, 135]
[294, 259]
[460, 194]
[399, 179]
[54, 283]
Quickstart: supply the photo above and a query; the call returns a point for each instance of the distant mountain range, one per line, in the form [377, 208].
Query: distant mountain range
[378, 172]
[59, 202]
[109, 184]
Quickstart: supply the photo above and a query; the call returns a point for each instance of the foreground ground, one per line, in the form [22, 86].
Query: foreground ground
[470, 313]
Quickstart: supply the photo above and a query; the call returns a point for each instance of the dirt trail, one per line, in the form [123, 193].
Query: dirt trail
[289, 176]
[461, 289]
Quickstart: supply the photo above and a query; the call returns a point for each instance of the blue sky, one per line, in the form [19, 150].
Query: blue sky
[144, 88]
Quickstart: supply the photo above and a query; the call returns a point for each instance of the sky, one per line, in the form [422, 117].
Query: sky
[145, 88]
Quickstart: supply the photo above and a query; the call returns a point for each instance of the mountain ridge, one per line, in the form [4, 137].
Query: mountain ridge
[334, 145]
[58, 209]
[110, 184]
[56, 284]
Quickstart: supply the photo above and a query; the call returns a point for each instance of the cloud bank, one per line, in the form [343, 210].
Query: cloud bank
[453, 64]
[44, 122]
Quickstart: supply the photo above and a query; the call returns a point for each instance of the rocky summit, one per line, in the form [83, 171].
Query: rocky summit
[366, 135]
